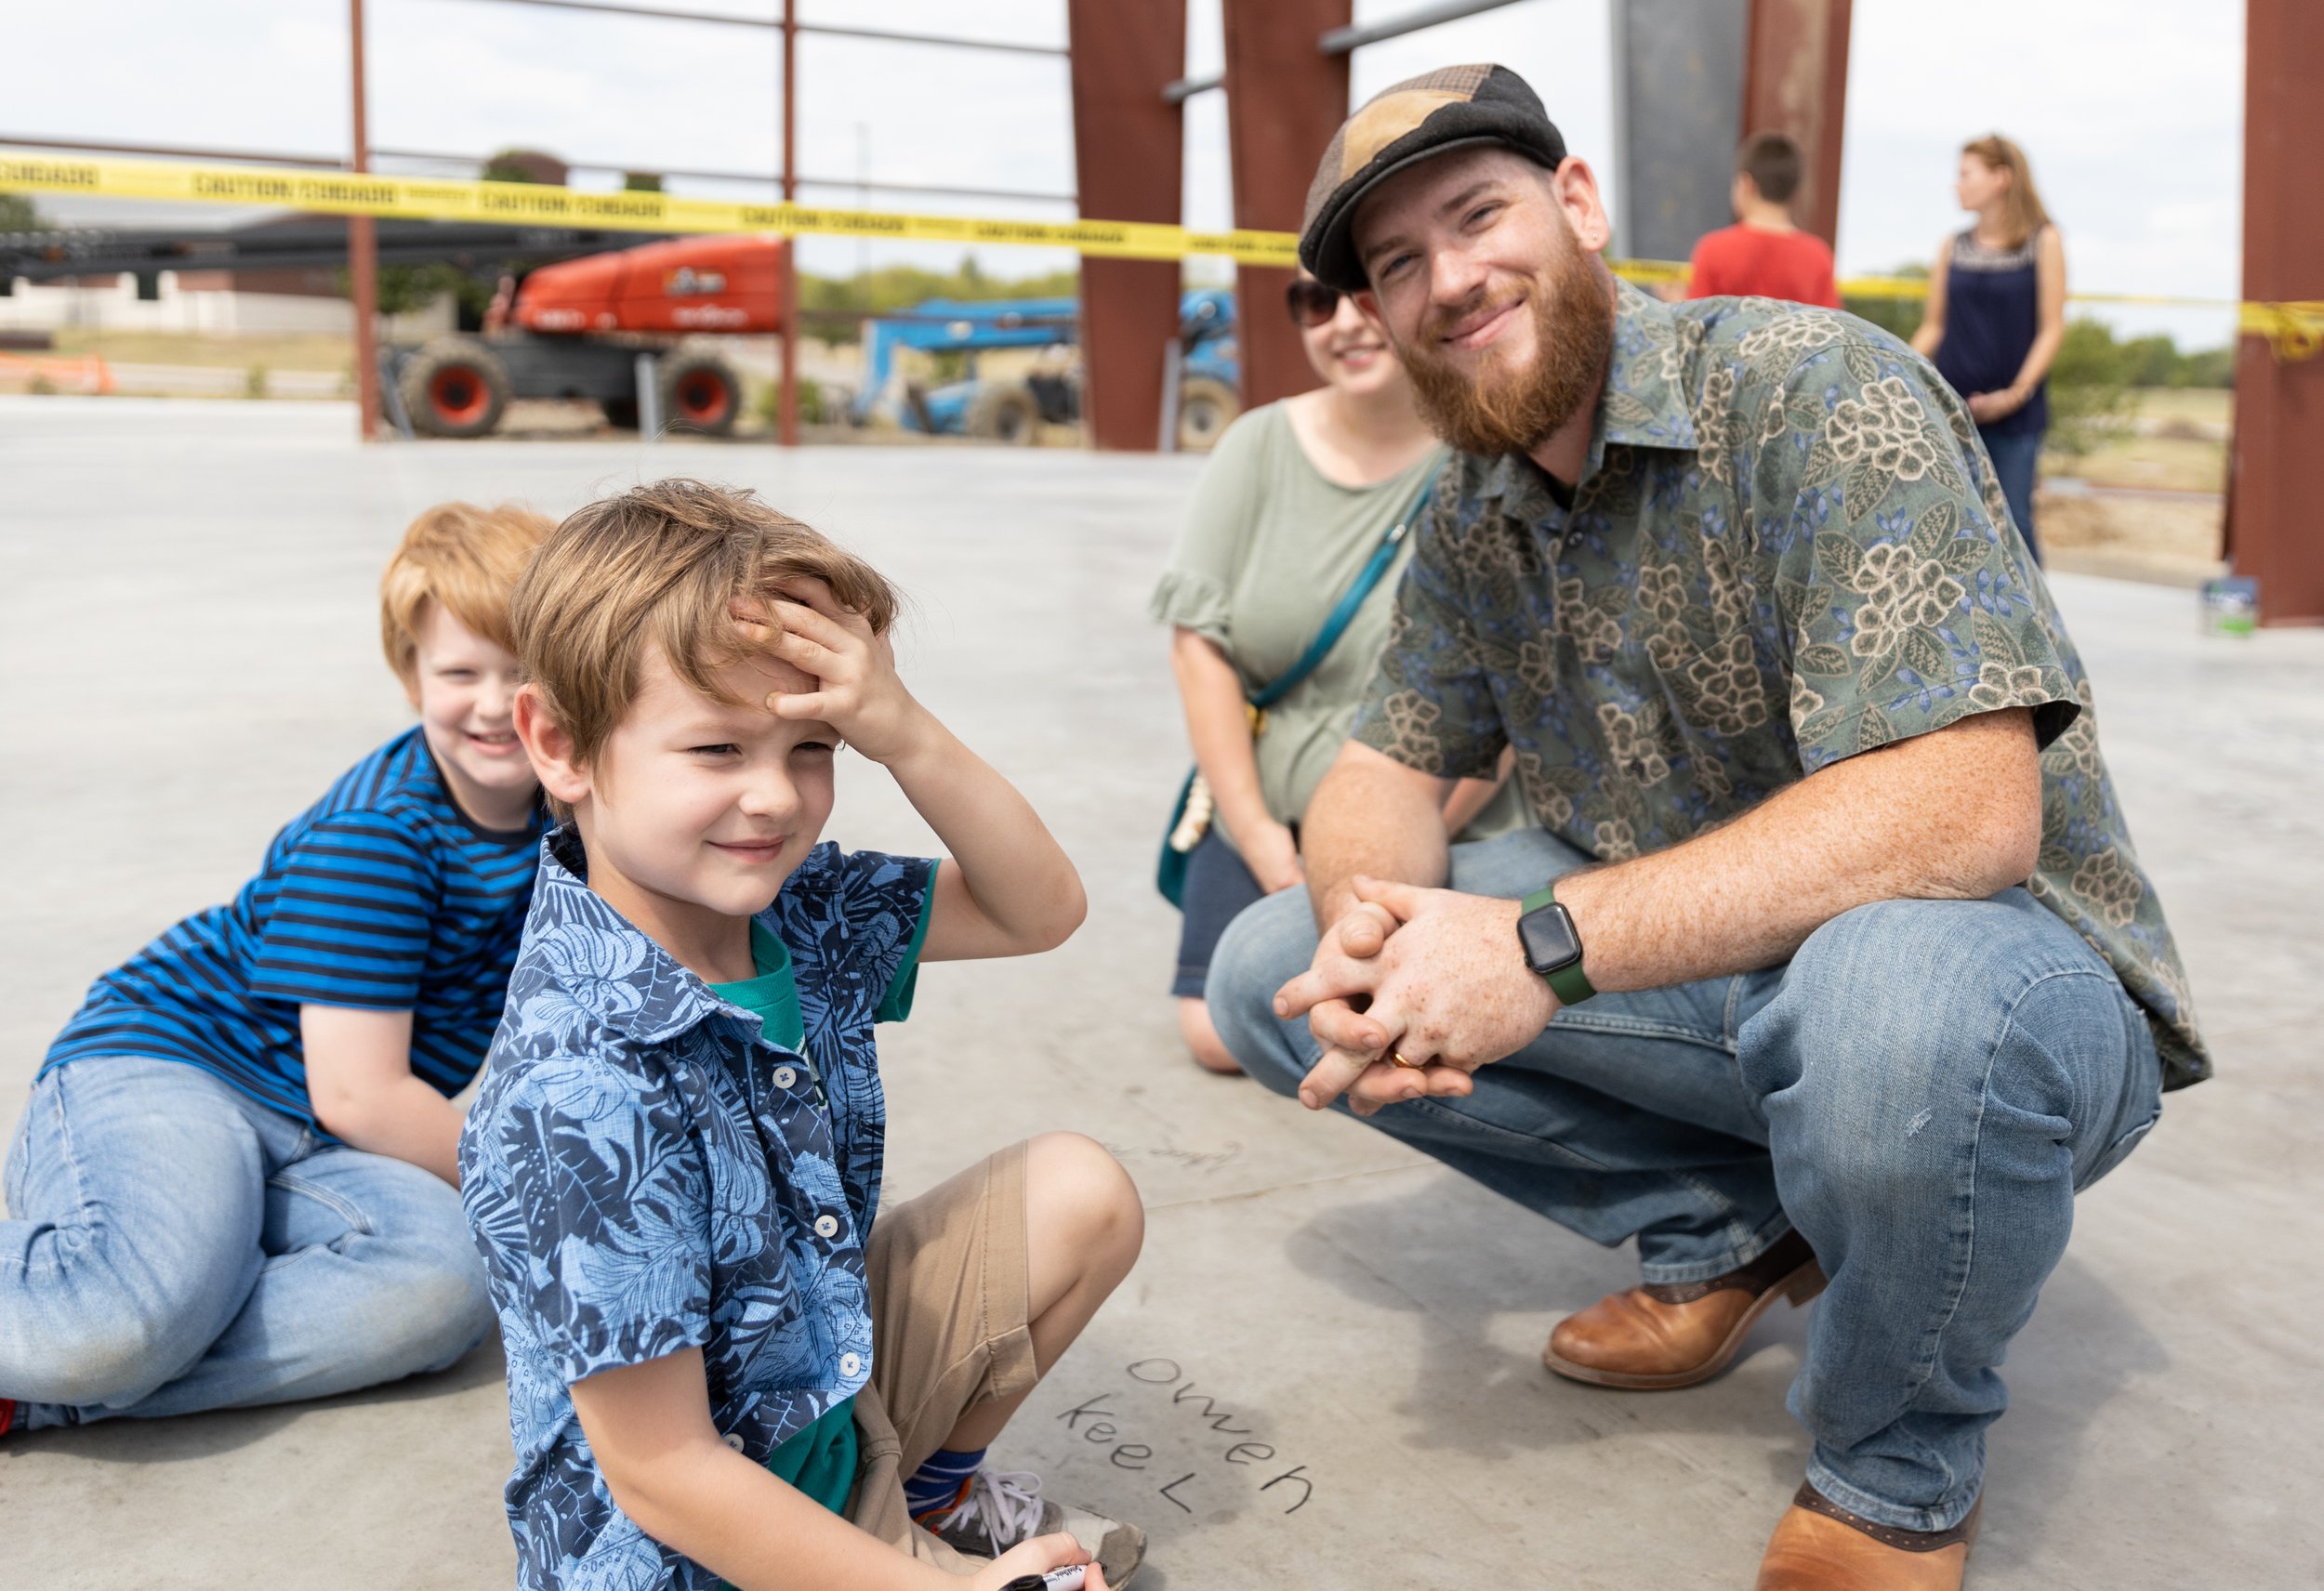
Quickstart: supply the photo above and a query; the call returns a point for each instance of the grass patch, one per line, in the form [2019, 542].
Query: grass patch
[281, 350]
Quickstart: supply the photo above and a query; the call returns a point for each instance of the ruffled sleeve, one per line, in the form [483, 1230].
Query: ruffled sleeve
[1196, 592]
[1193, 600]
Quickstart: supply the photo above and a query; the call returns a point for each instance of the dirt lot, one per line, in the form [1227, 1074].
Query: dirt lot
[2145, 504]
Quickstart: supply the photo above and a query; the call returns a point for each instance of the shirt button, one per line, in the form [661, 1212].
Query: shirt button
[827, 1226]
[734, 1441]
[849, 1364]
[785, 1076]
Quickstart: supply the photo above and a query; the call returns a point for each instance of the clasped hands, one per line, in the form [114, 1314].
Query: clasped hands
[1434, 975]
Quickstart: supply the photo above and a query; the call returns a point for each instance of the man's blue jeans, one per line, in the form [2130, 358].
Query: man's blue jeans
[176, 1246]
[1919, 1091]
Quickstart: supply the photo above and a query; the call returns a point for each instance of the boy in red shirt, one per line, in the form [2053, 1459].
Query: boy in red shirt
[1765, 255]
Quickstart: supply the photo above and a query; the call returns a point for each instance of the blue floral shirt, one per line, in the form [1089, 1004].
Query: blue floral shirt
[644, 1172]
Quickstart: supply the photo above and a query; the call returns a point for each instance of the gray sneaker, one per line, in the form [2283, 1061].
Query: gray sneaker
[1001, 1507]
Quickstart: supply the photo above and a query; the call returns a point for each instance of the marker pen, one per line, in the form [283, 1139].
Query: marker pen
[1067, 1579]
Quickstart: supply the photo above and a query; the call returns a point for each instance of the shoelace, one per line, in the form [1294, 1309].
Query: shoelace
[1003, 1504]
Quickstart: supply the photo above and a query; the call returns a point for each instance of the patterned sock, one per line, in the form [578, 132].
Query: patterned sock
[938, 1484]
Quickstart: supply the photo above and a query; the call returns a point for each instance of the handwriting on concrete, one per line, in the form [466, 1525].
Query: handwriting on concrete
[1199, 1159]
[1163, 1404]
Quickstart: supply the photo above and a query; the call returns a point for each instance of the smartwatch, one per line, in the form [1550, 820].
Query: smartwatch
[1553, 945]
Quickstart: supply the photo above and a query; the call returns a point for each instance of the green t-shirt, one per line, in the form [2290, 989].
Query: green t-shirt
[773, 995]
[821, 1460]
[1269, 548]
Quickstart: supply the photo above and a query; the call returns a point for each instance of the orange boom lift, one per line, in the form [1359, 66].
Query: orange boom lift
[613, 327]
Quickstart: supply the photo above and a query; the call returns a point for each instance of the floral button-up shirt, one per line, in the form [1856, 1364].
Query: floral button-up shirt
[644, 1172]
[1788, 547]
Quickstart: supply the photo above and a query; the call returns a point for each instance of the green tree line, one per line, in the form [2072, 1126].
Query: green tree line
[2093, 354]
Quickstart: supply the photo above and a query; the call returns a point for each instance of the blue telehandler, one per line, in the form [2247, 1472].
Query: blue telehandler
[1013, 409]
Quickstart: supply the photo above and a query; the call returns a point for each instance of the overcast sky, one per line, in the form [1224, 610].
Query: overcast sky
[2130, 109]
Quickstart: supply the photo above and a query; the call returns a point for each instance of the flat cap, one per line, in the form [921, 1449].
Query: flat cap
[1413, 121]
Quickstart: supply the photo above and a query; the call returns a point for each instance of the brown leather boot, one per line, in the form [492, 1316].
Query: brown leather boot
[1819, 1546]
[1662, 1335]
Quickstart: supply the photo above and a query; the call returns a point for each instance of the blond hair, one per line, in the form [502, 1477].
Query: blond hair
[467, 560]
[662, 565]
[2022, 210]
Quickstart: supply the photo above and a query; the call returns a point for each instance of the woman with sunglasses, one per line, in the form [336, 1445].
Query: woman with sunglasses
[1292, 505]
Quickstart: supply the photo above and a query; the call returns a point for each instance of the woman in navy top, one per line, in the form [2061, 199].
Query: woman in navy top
[1997, 315]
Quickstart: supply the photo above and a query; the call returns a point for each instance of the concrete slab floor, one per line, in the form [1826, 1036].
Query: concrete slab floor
[187, 657]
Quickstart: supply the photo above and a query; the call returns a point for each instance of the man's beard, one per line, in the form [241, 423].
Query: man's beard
[1496, 410]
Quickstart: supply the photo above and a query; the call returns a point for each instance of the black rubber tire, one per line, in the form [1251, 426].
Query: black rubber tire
[455, 387]
[1006, 413]
[1206, 408]
[701, 393]
[620, 413]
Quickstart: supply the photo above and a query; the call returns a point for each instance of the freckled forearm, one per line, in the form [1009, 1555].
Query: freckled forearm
[1953, 815]
[1375, 816]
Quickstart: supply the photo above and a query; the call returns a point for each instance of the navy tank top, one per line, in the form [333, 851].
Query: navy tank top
[1992, 311]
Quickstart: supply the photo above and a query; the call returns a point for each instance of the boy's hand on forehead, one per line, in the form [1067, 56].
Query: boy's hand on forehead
[856, 689]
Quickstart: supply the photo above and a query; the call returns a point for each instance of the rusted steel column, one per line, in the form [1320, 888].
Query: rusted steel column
[363, 247]
[787, 283]
[1795, 81]
[1284, 99]
[2273, 532]
[1129, 159]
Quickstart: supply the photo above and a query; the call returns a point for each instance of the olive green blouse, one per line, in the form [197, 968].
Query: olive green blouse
[1269, 548]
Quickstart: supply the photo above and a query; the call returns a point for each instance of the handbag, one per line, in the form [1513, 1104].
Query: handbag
[1191, 816]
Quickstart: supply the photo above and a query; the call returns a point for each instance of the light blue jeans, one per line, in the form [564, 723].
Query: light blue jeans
[176, 1246]
[1919, 1091]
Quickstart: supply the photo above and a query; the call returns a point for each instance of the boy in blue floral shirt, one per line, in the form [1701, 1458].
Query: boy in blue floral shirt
[718, 1366]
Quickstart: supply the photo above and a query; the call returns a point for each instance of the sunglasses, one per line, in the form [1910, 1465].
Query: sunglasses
[1312, 303]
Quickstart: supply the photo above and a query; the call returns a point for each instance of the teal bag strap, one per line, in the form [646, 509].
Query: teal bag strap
[1344, 614]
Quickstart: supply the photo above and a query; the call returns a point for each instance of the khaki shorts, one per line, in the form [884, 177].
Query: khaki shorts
[949, 1300]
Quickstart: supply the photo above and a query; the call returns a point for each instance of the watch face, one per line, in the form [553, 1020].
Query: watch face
[1550, 940]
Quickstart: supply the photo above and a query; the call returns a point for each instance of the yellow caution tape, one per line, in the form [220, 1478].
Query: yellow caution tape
[2295, 331]
[435, 199]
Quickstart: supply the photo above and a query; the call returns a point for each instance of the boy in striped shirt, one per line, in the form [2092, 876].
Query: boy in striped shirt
[236, 1180]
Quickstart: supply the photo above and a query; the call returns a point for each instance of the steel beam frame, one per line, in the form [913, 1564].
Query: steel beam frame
[1286, 95]
[2273, 532]
[1348, 38]
[787, 24]
[1130, 158]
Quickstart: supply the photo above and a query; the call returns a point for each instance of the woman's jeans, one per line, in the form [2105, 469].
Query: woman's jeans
[2013, 457]
[1919, 1091]
[176, 1246]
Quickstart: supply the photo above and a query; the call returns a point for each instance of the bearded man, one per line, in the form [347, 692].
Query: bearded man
[1830, 958]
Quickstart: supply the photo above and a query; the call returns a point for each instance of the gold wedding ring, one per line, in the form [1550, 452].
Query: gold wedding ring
[1397, 1055]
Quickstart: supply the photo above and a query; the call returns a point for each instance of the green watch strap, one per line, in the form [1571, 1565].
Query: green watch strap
[1569, 984]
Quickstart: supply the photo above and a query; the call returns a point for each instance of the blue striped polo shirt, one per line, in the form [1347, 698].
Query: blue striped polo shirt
[383, 894]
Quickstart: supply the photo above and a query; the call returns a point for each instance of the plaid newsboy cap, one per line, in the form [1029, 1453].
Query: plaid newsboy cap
[1413, 121]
